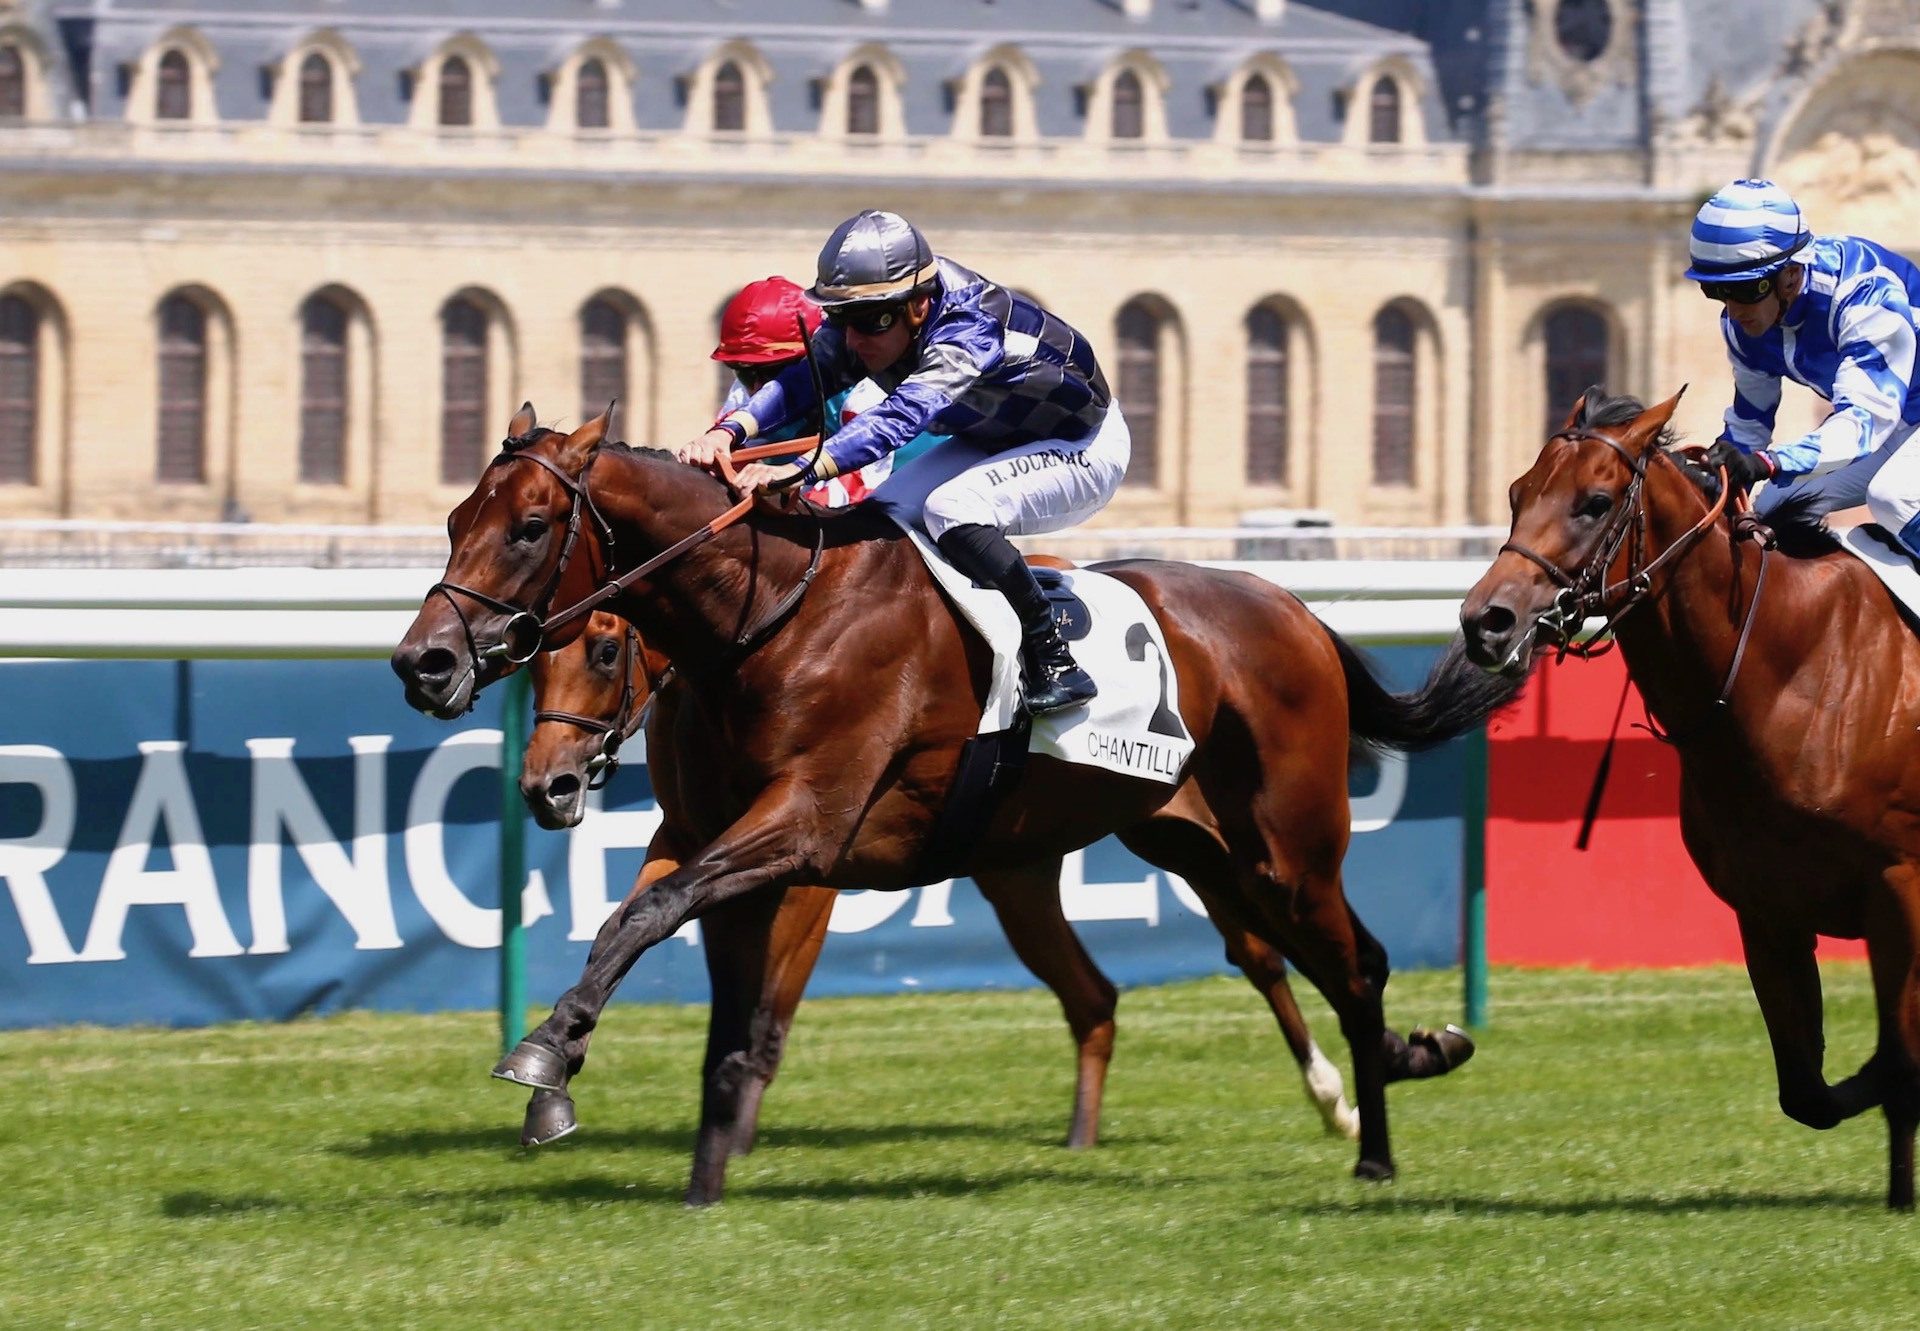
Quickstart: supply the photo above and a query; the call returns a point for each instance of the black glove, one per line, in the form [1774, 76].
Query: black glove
[1745, 470]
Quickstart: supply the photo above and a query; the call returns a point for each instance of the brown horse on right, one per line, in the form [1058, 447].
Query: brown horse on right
[1794, 701]
[593, 695]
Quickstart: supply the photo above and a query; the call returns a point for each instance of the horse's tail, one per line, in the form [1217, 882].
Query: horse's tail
[1457, 697]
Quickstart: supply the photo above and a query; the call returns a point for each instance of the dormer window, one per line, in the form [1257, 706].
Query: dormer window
[729, 98]
[456, 92]
[1129, 106]
[316, 90]
[173, 94]
[13, 84]
[1383, 111]
[863, 101]
[996, 105]
[1256, 110]
[592, 109]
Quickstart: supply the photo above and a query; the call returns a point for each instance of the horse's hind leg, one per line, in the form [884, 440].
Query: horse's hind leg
[1027, 902]
[749, 943]
[1266, 971]
[1892, 928]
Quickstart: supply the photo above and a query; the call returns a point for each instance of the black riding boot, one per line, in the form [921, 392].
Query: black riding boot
[1053, 678]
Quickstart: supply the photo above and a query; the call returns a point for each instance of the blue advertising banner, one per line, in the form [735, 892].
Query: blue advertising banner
[192, 842]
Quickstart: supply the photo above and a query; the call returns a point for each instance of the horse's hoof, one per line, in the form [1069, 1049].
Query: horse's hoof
[1374, 1171]
[1451, 1045]
[535, 1065]
[549, 1118]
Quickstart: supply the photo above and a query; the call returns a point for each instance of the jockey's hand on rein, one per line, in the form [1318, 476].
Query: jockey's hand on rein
[757, 474]
[1744, 470]
[706, 450]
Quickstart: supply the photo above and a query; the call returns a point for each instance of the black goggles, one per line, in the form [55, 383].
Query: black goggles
[1743, 292]
[871, 320]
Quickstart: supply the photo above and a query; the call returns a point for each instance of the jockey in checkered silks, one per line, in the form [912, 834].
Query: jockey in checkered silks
[1036, 444]
[1835, 313]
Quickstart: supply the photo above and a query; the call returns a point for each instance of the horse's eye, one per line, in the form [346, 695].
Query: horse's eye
[531, 530]
[1594, 505]
[607, 653]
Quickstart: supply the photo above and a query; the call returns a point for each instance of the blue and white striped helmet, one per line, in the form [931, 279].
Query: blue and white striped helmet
[1749, 229]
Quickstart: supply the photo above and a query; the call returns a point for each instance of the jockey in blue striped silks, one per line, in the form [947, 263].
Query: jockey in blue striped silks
[1836, 313]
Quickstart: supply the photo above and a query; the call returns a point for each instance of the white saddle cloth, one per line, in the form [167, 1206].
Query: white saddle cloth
[1889, 562]
[1134, 726]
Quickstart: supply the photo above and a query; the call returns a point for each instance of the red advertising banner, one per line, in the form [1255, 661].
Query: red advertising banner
[1633, 898]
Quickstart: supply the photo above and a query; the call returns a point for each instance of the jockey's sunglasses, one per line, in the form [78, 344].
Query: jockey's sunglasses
[870, 320]
[1744, 292]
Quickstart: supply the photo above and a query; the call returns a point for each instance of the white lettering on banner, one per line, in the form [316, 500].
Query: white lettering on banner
[1379, 806]
[161, 794]
[935, 910]
[858, 911]
[426, 851]
[358, 887]
[24, 861]
[1129, 900]
[587, 845]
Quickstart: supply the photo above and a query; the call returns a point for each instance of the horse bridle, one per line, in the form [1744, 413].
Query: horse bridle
[534, 628]
[606, 760]
[1584, 592]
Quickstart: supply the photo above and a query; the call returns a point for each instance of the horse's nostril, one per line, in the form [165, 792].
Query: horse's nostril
[563, 787]
[436, 663]
[1495, 620]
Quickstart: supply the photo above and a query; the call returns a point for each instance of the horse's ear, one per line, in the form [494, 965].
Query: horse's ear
[572, 454]
[1649, 423]
[522, 423]
[1573, 417]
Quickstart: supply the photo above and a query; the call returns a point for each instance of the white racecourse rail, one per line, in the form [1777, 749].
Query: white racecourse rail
[228, 613]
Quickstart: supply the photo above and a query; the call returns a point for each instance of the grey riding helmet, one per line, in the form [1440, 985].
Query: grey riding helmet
[873, 258]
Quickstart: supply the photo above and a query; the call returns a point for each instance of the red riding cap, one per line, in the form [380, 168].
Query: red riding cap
[758, 326]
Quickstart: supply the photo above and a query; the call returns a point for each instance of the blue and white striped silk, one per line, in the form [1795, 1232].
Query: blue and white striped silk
[1850, 336]
[1743, 231]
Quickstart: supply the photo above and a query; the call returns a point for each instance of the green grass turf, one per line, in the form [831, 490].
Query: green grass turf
[1612, 1158]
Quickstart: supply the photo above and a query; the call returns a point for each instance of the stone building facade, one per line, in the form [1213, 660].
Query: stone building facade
[299, 259]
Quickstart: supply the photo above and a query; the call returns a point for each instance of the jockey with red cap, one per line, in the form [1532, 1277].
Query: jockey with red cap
[759, 337]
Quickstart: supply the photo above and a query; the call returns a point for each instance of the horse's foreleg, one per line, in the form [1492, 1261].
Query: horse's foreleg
[550, 1111]
[772, 844]
[1027, 902]
[798, 932]
[1786, 983]
[739, 938]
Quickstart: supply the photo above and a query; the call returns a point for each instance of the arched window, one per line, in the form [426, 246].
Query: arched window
[463, 391]
[996, 105]
[863, 101]
[603, 356]
[590, 107]
[1267, 403]
[456, 91]
[1576, 346]
[19, 389]
[316, 90]
[729, 98]
[323, 392]
[1129, 106]
[183, 391]
[1256, 110]
[1393, 397]
[1137, 388]
[1383, 111]
[173, 97]
[13, 84]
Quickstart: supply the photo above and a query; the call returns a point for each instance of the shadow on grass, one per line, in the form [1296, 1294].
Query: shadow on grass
[1468, 1207]
[598, 1141]
[474, 1207]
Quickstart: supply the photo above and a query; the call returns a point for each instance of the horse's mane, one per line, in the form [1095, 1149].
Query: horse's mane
[1800, 532]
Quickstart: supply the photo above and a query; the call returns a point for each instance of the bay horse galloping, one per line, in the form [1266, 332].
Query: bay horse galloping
[1791, 688]
[839, 716]
[591, 696]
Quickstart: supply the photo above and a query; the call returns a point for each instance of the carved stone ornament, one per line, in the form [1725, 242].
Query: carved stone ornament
[1583, 46]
